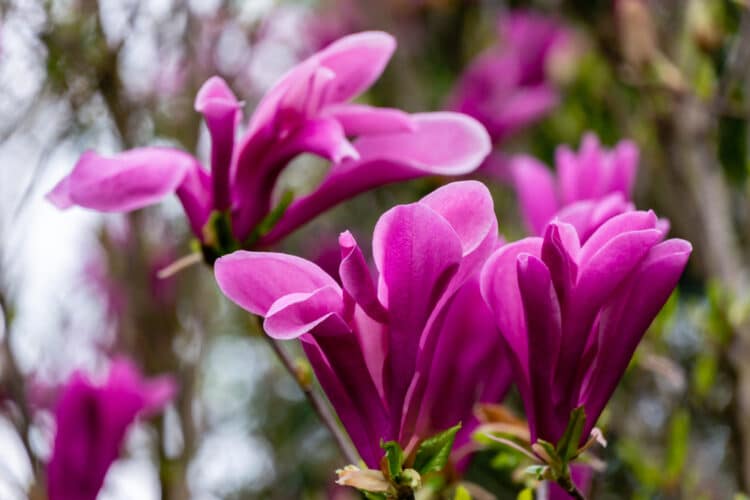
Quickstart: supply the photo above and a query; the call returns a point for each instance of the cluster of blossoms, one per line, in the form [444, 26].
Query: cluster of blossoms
[454, 314]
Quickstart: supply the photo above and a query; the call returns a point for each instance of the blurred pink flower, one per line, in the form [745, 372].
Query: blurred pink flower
[92, 420]
[591, 185]
[506, 88]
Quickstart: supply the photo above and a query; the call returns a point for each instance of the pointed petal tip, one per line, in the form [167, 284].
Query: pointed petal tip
[215, 92]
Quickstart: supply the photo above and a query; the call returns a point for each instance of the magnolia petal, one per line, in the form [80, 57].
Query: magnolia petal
[255, 280]
[221, 110]
[626, 317]
[298, 313]
[442, 144]
[360, 119]
[417, 253]
[357, 280]
[536, 191]
[544, 330]
[357, 61]
[123, 182]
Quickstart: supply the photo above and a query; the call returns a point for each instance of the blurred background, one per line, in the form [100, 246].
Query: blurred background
[77, 287]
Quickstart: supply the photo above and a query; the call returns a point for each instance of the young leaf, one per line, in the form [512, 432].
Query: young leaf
[433, 452]
[568, 444]
[461, 493]
[393, 459]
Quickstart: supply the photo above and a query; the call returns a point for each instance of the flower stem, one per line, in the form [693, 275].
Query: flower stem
[567, 484]
[318, 404]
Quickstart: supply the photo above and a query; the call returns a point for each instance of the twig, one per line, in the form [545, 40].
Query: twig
[319, 406]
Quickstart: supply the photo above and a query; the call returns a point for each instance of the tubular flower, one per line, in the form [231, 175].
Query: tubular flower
[591, 186]
[404, 356]
[307, 111]
[507, 87]
[572, 315]
[92, 420]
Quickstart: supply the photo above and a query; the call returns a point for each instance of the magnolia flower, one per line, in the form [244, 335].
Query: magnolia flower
[403, 357]
[591, 185]
[91, 420]
[572, 315]
[307, 111]
[506, 88]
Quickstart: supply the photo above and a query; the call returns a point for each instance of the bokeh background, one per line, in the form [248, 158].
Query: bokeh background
[77, 287]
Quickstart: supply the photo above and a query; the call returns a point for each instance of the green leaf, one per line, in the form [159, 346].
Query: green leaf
[567, 447]
[525, 494]
[394, 459]
[461, 493]
[433, 452]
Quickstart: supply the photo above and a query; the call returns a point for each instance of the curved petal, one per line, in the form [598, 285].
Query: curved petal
[544, 331]
[629, 221]
[253, 187]
[255, 280]
[197, 198]
[625, 319]
[624, 160]
[442, 144]
[360, 119]
[123, 182]
[357, 280]
[299, 313]
[221, 111]
[417, 253]
[357, 61]
[536, 190]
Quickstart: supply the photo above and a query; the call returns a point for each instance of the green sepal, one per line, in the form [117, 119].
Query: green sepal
[461, 493]
[554, 459]
[270, 220]
[373, 496]
[433, 452]
[393, 460]
[217, 236]
[567, 447]
[537, 471]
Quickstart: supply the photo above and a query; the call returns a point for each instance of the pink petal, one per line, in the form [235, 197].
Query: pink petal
[298, 313]
[359, 119]
[124, 182]
[537, 193]
[442, 144]
[255, 280]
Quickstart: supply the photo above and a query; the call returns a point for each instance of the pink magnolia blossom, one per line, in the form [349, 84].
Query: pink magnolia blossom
[92, 420]
[407, 355]
[307, 111]
[572, 314]
[506, 88]
[589, 187]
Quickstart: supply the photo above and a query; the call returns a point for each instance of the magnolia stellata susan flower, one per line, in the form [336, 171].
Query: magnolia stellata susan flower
[591, 185]
[572, 314]
[307, 111]
[91, 422]
[407, 355]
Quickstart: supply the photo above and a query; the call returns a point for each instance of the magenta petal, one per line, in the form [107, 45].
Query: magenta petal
[499, 287]
[124, 182]
[629, 221]
[626, 317]
[196, 198]
[442, 144]
[221, 110]
[357, 61]
[417, 253]
[253, 186]
[624, 160]
[255, 280]
[560, 253]
[536, 191]
[298, 313]
[360, 119]
[544, 330]
[59, 196]
[357, 280]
